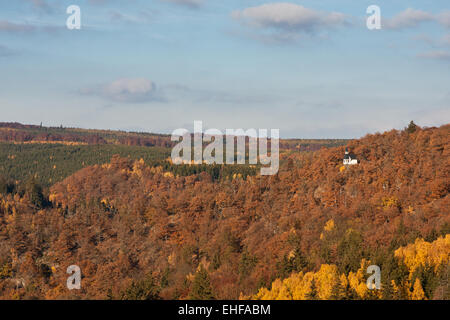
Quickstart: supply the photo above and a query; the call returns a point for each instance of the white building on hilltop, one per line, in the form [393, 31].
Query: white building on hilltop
[349, 158]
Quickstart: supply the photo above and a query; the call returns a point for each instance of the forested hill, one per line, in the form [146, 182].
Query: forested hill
[142, 232]
[17, 132]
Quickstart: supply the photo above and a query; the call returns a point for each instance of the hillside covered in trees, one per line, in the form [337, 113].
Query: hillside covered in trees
[141, 231]
[50, 154]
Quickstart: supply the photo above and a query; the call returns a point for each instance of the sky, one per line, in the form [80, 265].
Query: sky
[310, 68]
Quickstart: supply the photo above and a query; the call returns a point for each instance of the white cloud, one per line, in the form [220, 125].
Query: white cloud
[132, 90]
[41, 5]
[444, 18]
[183, 93]
[288, 16]
[98, 2]
[187, 3]
[142, 16]
[407, 19]
[441, 42]
[446, 39]
[7, 26]
[438, 55]
[27, 28]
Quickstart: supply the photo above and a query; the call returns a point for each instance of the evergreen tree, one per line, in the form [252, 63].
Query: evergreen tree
[350, 252]
[141, 290]
[411, 128]
[34, 191]
[3, 185]
[201, 287]
[246, 264]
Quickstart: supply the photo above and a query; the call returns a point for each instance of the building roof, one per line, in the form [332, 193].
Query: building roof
[350, 156]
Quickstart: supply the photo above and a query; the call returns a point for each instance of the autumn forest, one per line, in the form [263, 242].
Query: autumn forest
[140, 227]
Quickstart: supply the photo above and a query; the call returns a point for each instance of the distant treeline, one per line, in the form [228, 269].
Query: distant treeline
[17, 132]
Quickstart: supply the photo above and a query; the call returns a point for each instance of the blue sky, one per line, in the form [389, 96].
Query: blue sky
[309, 68]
